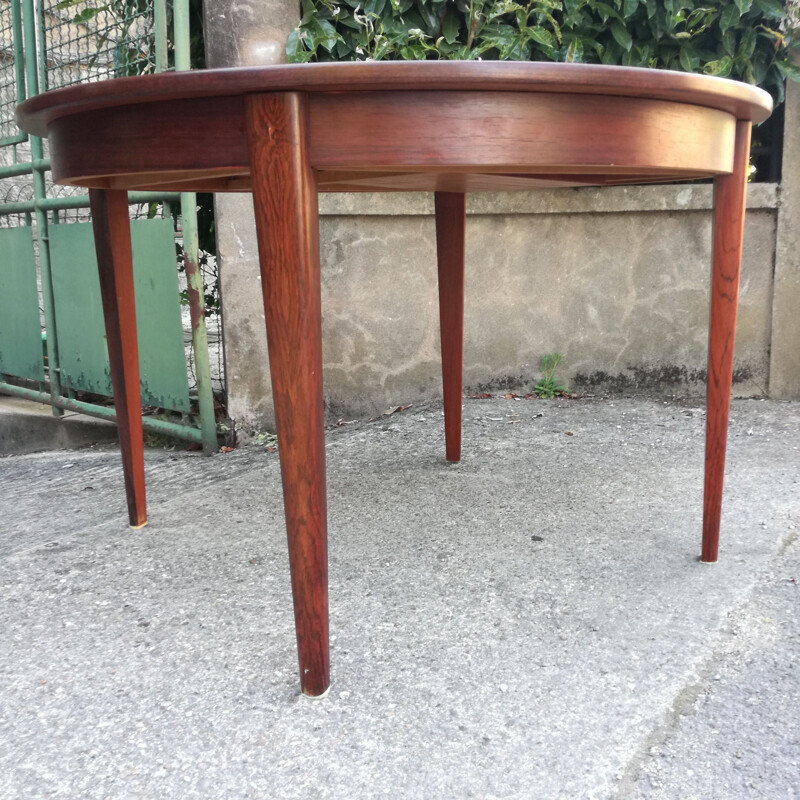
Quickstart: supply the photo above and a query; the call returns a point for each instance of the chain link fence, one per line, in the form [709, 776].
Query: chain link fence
[88, 40]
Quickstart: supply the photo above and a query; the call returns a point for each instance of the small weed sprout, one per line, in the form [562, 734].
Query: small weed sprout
[549, 385]
[265, 439]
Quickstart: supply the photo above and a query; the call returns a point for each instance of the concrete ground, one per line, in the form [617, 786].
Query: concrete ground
[28, 427]
[532, 623]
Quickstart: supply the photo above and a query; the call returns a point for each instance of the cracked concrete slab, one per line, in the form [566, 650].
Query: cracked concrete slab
[532, 622]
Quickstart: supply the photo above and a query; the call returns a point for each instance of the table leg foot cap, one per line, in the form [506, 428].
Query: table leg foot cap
[316, 696]
[138, 527]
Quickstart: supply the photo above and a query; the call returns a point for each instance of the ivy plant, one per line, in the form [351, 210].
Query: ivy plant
[751, 40]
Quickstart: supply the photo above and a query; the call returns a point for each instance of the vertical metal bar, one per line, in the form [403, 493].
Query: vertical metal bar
[194, 280]
[162, 50]
[19, 53]
[180, 21]
[160, 25]
[202, 366]
[38, 35]
[29, 22]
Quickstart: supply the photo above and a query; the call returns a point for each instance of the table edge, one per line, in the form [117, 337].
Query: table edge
[740, 99]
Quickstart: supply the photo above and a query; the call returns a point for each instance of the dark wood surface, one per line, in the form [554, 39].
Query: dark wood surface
[112, 236]
[287, 132]
[451, 211]
[285, 199]
[443, 126]
[729, 209]
[739, 99]
[414, 141]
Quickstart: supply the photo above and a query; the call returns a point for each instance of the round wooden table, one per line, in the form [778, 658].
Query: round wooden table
[286, 133]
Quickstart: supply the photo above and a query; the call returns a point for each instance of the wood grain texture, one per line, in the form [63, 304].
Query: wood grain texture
[285, 200]
[486, 140]
[516, 132]
[736, 98]
[451, 210]
[160, 142]
[112, 237]
[729, 210]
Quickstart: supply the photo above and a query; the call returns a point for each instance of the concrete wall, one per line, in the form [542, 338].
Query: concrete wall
[785, 355]
[616, 279]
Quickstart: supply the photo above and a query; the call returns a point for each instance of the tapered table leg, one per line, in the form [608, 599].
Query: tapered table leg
[450, 223]
[112, 237]
[285, 198]
[729, 208]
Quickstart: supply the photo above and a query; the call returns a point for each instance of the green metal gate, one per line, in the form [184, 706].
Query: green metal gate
[52, 338]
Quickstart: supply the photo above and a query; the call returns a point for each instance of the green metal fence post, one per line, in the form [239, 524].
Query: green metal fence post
[40, 193]
[19, 52]
[194, 278]
[160, 31]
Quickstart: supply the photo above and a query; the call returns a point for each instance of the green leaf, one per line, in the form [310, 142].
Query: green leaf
[347, 22]
[556, 27]
[574, 52]
[643, 54]
[686, 60]
[294, 44]
[499, 36]
[413, 52]
[542, 36]
[729, 17]
[606, 11]
[374, 7]
[699, 20]
[747, 45]
[789, 70]
[323, 34]
[87, 14]
[303, 57]
[68, 4]
[430, 19]
[450, 26]
[721, 68]
[772, 9]
[611, 55]
[729, 41]
[743, 5]
[760, 68]
[629, 7]
[621, 35]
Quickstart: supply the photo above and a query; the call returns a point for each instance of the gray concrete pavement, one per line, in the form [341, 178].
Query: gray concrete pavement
[532, 623]
[29, 427]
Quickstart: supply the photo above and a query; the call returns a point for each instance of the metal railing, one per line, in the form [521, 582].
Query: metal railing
[60, 43]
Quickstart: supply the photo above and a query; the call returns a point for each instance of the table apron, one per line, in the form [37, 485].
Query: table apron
[203, 141]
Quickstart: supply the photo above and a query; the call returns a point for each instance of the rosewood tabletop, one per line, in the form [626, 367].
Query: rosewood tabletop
[286, 133]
